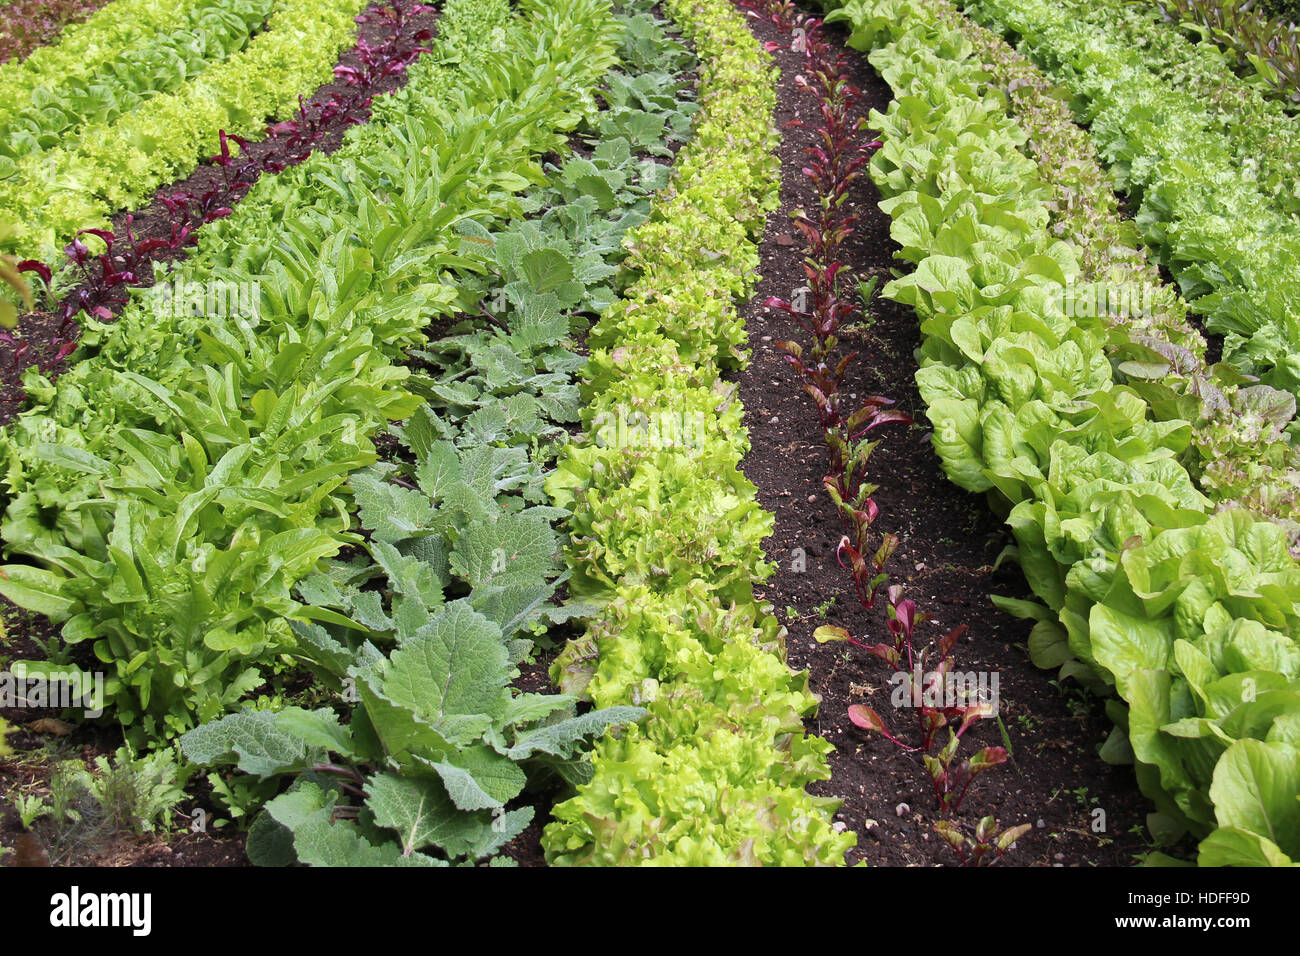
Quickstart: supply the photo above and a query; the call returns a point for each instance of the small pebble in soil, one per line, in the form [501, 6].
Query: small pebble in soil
[765, 338]
[812, 498]
[1041, 823]
[902, 809]
[773, 421]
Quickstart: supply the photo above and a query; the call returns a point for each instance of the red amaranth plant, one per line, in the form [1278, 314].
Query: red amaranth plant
[923, 675]
[925, 683]
[985, 846]
[833, 167]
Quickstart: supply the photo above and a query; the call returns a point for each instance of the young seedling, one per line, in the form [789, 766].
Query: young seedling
[986, 846]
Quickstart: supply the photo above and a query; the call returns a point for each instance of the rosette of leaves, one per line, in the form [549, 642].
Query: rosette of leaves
[436, 747]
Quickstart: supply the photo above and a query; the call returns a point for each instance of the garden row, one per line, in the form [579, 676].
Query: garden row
[667, 530]
[1258, 130]
[136, 251]
[50, 106]
[1185, 612]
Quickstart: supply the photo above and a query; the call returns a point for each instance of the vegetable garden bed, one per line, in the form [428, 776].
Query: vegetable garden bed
[617, 428]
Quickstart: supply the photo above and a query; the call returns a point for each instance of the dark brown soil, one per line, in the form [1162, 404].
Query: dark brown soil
[950, 542]
[43, 330]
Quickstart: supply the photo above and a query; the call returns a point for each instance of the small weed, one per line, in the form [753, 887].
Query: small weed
[86, 807]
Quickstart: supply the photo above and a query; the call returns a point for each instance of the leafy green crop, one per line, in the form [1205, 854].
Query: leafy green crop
[112, 166]
[61, 109]
[84, 49]
[1230, 239]
[463, 564]
[666, 531]
[1265, 49]
[171, 516]
[434, 747]
[1138, 576]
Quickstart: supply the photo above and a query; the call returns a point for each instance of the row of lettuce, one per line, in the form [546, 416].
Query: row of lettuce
[48, 109]
[666, 530]
[1208, 164]
[1186, 613]
[146, 102]
[83, 49]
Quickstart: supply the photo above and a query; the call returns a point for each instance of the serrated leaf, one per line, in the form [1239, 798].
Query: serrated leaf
[252, 740]
[480, 779]
[514, 607]
[391, 512]
[419, 811]
[317, 728]
[408, 575]
[439, 467]
[530, 708]
[458, 669]
[515, 549]
[545, 269]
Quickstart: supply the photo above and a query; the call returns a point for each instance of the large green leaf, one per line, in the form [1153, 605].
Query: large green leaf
[513, 550]
[456, 674]
[1254, 790]
[255, 742]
